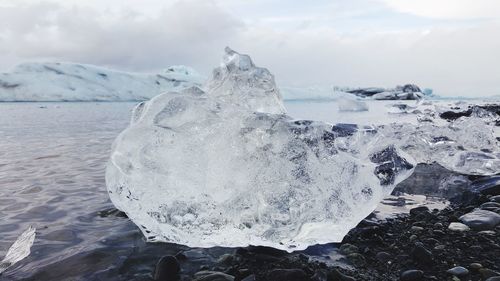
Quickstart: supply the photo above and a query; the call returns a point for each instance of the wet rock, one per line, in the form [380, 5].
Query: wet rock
[383, 256]
[494, 278]
[356, 259]
[439, 247]
[492, 205]
[347, 249]
[495, 199]
[481, 219]
[287, 275]
[420, 254]
[416, 229]
[456, 226]
[419, 210]
[458, 271]
[487, 185]
[412, 275]
[212, 276]
[475, 266]
[268, 251]
[336, 275]
[320, 275]
[487, 273]
[225, 259]
[487, 232]
[167, 269]
[249, 278]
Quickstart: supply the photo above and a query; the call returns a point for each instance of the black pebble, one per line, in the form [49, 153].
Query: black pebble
[167, 269]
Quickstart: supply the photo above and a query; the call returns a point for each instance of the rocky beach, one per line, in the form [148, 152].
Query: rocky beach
[460, 242]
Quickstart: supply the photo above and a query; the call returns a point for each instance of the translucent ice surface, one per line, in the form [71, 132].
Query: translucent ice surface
[351, 104]
[225, 166]
[467, 145]
[19, 250]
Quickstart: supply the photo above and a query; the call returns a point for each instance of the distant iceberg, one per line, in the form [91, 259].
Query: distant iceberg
[81, 82]
[406, 92]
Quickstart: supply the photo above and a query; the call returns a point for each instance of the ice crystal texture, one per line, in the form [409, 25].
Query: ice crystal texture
[225, 166]
[19, 250]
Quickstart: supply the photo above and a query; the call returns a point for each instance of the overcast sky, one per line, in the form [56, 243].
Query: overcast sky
[452, 46]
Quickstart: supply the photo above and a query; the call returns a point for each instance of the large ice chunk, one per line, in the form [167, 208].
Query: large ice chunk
[225, 166]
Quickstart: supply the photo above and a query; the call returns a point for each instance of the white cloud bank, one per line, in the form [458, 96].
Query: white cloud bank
[352, 47]
[448, 9]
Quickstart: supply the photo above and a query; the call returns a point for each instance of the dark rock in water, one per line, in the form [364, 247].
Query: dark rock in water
[167, 269]
[356, 259]
[347, 249]
[412, 275]
[320, 275]
[266, 251]
[494, 278]
[490, 205]
[288, 275]
[458, 271]
[487, 185]
[391, 164]
[420, 254]
[481, 219]
[419, 210]
[212, 276]
[424, 178]
[225, 259]
[111, 212]
[336, 275]
[495, 199]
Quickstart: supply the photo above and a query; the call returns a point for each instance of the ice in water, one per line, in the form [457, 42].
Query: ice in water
[19, 250]
[224, 165]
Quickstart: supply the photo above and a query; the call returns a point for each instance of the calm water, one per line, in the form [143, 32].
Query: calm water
[52, 161]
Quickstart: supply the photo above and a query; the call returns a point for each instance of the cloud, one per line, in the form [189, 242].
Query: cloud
[340, 44]
[452, 61]
[448, 9]
[184, 32]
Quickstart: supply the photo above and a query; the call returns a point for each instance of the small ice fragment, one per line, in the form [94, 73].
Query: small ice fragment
[19, 250]
[348, 104]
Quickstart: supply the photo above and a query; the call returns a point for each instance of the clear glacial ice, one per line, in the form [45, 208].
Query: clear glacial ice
[19, 250]
[224, 165]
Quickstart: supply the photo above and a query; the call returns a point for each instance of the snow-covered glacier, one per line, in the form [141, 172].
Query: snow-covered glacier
[223, 165]
[81, 82]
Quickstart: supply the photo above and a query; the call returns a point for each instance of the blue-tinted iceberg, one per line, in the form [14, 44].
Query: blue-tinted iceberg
[80, 82]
